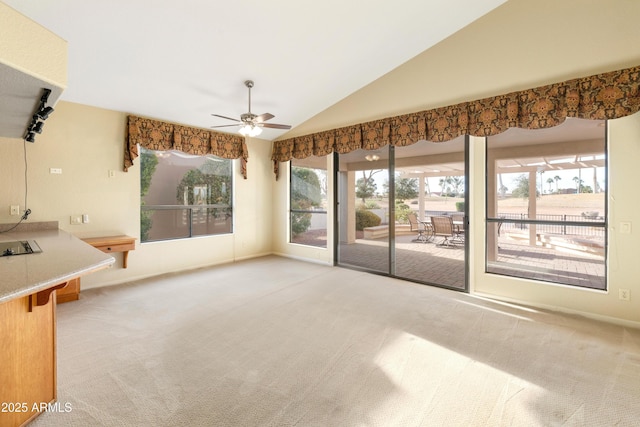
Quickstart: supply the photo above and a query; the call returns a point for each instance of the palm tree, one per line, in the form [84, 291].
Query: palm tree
[578, 182]
[556, 179]
[550, 181]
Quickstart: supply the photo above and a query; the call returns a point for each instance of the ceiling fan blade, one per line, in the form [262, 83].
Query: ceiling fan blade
[224, 126]
[225, 117]
[264, 117]
[274, 126]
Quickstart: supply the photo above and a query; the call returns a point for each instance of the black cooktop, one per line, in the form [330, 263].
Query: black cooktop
[19, 247]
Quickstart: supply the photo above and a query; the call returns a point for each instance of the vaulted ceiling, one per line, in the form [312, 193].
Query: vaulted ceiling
[183, 61]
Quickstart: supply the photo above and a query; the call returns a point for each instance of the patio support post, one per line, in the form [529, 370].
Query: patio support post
[421, 188]
[492, 208]
[350, 206]
[533, 189]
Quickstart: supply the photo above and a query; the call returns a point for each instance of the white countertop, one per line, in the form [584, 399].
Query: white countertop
[63, 257]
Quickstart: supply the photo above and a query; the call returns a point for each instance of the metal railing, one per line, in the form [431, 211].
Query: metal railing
[191, 217]
[575, 225]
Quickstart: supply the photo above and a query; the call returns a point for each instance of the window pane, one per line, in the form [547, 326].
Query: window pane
[557, 178]
[166, 224]
[211, 221]
[201, 185]
[575, 258]
[308, 199]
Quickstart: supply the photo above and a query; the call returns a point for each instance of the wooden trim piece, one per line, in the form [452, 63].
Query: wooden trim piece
[42, 298]
[109, 244]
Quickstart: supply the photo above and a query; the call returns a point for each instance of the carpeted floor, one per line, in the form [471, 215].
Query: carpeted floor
[279, 342]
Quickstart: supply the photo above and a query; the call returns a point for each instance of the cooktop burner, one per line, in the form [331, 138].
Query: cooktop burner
[19, 247]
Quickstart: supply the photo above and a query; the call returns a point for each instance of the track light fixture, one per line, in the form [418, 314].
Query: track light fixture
[42, 113]
[45, 95]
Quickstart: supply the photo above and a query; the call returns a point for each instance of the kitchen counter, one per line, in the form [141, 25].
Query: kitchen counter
[63, 257]
[28, 315]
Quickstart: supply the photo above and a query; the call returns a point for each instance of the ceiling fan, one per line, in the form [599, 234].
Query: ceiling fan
[252, 124]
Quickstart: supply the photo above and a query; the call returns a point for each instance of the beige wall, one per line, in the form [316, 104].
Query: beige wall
[86, 143]
[522, 44]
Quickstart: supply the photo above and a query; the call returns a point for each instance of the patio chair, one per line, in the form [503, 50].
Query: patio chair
[459, 225]
[424, 232]
[443, 227]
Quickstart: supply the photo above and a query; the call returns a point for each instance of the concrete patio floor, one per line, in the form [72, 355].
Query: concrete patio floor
[435, 264]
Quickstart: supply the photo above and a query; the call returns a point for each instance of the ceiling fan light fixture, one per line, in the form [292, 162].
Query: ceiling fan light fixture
[372, 157]
[250, 130]
[251, 124]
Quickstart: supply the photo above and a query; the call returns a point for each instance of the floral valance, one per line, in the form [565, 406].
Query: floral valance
[600, 97]
[162, 136]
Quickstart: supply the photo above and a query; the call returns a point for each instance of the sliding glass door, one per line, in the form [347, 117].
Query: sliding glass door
[363, 210]
[389, 202]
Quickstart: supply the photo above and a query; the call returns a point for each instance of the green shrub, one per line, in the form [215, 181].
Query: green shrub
[460, 206]
[300, 222]
[402, 212]
[371, 205]
[365, 218]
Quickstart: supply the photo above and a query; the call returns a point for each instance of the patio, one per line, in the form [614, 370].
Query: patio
[430, 263]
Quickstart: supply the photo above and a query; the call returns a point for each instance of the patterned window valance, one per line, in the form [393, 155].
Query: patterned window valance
[600, 97]
[162, 136]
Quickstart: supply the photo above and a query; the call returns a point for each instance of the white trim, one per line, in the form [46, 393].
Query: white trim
[599, 317]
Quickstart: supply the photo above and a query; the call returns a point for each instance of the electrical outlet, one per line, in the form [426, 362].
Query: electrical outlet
[56, 171]
[624, 294]
[15, 209]
[625, 228]
[76, 219]
[112, 173]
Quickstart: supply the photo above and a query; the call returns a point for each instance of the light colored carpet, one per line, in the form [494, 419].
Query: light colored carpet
[279, 342]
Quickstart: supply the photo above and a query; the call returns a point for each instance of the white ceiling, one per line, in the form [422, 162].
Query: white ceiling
[181, 61]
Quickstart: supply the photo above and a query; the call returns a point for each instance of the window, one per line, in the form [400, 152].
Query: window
[546, 204]
[308, 201]
[183, 195]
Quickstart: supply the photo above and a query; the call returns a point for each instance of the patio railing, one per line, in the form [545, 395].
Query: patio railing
[575, 225]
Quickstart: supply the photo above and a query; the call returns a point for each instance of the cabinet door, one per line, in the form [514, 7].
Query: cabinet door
[27, 352]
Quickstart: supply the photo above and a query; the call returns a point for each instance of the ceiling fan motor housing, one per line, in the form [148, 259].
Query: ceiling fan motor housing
[247, 117]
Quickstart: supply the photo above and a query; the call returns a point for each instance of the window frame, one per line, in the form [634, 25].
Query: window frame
[496, 222]
[227, 210]
[293, 211]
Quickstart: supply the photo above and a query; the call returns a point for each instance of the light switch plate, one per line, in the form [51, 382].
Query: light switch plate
[625, 228]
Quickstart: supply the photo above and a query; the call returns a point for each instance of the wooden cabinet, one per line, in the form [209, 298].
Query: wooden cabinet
[71, 292]
[28, 356]
[107, 244]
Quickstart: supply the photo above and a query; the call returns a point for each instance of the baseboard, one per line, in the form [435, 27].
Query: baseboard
[593, 316]
[300, 258]
[260, 255]
[130, 279]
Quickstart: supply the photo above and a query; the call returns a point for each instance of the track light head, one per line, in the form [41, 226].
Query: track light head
[45, 95]
[31, 137]
[43, 113]
[38, 127]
